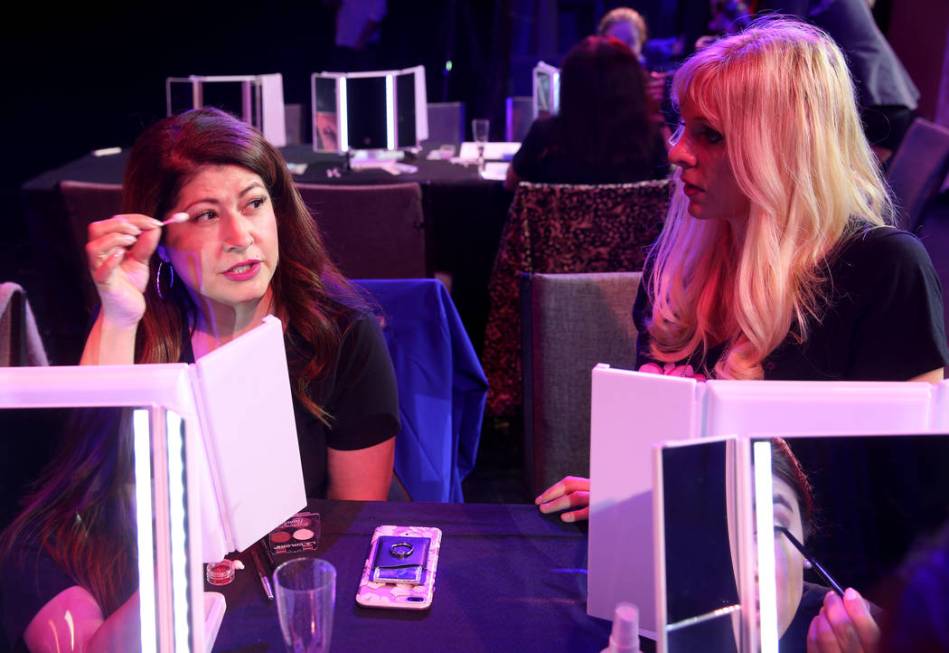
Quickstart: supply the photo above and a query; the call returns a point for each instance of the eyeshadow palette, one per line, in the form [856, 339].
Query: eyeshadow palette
[299, 533]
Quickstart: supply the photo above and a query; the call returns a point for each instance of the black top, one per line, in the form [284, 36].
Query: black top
[542, 160]
[358, 391]
[883, 320]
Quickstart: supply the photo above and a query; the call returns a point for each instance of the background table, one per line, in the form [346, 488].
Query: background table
[464, 215]
[509, 579]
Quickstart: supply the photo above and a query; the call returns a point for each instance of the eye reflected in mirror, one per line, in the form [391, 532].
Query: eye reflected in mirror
[816, 566]
[701, 593]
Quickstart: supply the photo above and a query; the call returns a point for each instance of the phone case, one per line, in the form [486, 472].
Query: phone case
[400, 596]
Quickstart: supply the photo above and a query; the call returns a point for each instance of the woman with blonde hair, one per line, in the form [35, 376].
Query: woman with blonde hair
[777, 259]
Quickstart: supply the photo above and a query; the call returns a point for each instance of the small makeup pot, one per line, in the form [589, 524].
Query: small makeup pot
[222, 573]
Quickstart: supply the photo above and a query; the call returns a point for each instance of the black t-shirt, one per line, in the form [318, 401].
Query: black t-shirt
[358, 391]
[540, 159]
[883, 320]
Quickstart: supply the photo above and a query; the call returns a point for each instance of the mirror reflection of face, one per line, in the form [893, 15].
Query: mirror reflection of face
[326, 136]
[709, 182]
[788, 562]
[227, 253]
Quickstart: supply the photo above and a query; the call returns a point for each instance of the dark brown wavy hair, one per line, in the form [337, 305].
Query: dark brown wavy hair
[605, 113]
[786, 466]
[80, 510]
[309, 292]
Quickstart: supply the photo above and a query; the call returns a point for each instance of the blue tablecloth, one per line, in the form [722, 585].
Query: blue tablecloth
[442, 387]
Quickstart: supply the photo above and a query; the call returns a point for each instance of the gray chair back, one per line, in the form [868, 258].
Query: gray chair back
[446, 123]
[372, 232]
[20, 341]
[571, 322]
[918, 170]
[518, 117]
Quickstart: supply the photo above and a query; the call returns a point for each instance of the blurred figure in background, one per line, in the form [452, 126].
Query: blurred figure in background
[606, 131]
[358, 24]
[886, 95]
[626, 25]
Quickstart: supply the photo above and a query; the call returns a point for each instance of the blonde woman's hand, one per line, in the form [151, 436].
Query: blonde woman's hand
[843, 626]
[570, 492]
[118, 252]
[671, 369]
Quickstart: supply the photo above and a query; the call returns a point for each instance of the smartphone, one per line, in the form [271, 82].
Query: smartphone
[416, 546]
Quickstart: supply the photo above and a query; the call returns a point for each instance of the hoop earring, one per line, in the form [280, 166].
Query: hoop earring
[171, 282]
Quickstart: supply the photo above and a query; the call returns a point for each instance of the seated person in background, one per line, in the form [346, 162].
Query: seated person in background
[247, 248]
[67, 563]
[628, 26]
[606, 132]
[887, 96]
[625, 25]
[776, 260]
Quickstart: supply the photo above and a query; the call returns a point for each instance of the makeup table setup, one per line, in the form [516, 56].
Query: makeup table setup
[240, 560]
[507, 579]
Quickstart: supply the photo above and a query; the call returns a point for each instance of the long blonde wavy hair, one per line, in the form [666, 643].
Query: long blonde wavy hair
[782, 96]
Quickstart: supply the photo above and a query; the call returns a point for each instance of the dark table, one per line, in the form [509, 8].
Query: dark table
[509, 579]
[464, 215]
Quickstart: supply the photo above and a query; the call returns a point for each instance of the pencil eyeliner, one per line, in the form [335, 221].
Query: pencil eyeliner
[818, 567]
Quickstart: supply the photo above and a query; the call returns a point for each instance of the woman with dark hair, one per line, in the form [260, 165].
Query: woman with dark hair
[247, 247]
[606, 131]
[239, 244]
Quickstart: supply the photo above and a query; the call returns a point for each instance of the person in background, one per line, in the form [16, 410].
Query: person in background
[606, 131]
[628, 26]
[625, 25]
[358, 26]
[887, 96]
[777, 260]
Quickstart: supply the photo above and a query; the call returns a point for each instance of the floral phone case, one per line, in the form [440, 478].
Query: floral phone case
[397, 595]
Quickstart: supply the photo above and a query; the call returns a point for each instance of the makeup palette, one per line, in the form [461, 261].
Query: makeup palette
[299, 533]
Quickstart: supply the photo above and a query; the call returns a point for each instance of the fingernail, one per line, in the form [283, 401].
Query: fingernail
[567, 517]
[834, 600]
[852, 596]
